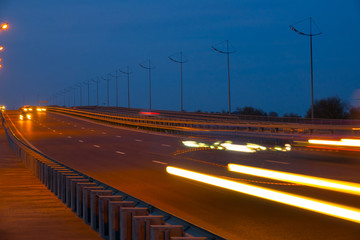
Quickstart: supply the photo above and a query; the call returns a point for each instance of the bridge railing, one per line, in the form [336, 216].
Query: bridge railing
[187, 126]
[111, 212]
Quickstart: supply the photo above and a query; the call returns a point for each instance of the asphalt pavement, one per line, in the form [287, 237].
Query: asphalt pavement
[134, 162]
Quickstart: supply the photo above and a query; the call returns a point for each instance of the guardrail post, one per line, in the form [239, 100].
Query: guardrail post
[79, 196]
[165, 232]
[141, 226]
[68, 180]
[104, 213]
[87, 203]
[73, 193]
[114, 217]
[189, 238]
[126, 218]
[94, 206]
[62, 182]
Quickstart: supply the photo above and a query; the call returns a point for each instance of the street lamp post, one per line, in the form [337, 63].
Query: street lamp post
[227, 52]
[87, 82]
[149, 67]
[181, 61]
[97, 90]
[80, 85]
[107, 80]
[117, 88]
[311, 34]
[128, 83]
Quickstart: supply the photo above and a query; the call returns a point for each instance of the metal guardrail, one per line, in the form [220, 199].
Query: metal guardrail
[185, 126]
[106, 209]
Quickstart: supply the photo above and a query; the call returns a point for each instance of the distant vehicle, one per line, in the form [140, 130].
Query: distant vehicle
[40, 109]
[27, 108]
[25, 115]
[2, 107]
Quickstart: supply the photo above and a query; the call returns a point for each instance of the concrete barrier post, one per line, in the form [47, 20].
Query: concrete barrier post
[63, 184]
[57, 175]
[126, 218]
[141, 226]
[94, 206]
[165, 232]
[68, 188]
[104, 213]
[114, 217]
[73, 193]
[86, 203]
[79, 196]
[188, 238]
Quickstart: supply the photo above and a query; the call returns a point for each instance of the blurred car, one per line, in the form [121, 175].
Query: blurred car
[25, 115]
[27, 108]
[40, 109]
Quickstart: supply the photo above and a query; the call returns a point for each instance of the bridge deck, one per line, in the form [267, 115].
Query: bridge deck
[28, 210]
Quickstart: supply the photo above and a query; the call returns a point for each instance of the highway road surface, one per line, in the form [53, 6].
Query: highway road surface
[135, 162]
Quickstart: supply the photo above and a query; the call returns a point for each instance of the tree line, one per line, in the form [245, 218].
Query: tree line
[327, 108]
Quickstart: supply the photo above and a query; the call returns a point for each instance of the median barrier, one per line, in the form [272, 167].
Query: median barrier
[67, 189]
[188, 238]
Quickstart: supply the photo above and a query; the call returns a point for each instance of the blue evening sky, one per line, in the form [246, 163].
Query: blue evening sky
[53, 45]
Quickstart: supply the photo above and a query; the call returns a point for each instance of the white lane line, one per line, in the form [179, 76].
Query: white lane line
[75, 126]
[120, 152]
[97, 146]
[60, 133]
[69, 136]
[82, 128]
[54, 130]
[81, 141]
[276, 162]
[138, 140]
[92, 130]
[160, 162]
[103, 132]
[118, 136]
[165, 145]
[49, 128]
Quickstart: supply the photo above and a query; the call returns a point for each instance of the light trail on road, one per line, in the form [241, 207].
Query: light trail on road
[335, 210]
[329, 184]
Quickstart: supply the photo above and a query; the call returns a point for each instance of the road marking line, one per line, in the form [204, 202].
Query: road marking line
[92, 130]
[103, 133]
[69, 136]
[160, 162]
[138, 140]
[165, 145]
[118, 136]
[276, 162]
[75, 126]
[81, 141]
[120, 152]
[82, 128]
[97, 146]
[60, 133]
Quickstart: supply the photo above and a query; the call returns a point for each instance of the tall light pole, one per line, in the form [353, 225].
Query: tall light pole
[80, 85]
[181, 61]
[227, 52]
[149, 67]
[87, 82]
[107, 80]
[97, 90]
[117, 89]
[310, 34]
[128, 83]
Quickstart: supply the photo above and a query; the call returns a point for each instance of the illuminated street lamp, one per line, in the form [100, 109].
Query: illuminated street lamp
[1, 48]
[4, 26]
